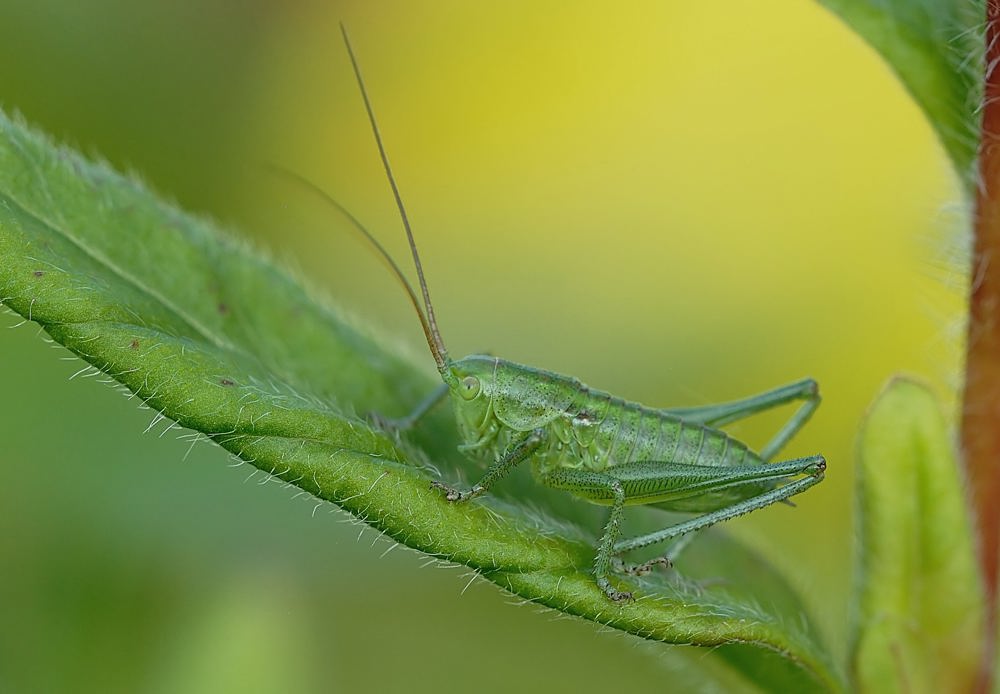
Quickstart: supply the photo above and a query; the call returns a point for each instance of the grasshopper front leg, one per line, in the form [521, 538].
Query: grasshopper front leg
[517, 453]
[407, 422]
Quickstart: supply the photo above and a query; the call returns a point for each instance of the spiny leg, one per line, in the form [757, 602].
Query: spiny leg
[653, 480]
[812, 466]
[612, 489]
[721, 414]
[407, 422]
[515, 454]
[792, 426]
[724, 413]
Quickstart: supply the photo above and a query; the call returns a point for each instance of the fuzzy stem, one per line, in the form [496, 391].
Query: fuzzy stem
[981, 402]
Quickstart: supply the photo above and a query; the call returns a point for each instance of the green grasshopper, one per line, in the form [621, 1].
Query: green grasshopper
[596, 446]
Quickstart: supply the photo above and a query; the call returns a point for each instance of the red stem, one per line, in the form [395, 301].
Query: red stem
[981, 403]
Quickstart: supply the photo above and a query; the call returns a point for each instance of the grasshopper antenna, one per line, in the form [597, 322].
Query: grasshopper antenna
[429, 323]
[356, 223]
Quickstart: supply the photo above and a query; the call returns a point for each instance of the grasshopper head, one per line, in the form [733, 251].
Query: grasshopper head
[471, 382]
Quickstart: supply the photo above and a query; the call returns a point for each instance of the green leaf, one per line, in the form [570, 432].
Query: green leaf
[920, 617]
[935, 48]
[212, 335]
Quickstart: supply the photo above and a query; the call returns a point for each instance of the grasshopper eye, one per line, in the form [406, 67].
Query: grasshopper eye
[470, 387]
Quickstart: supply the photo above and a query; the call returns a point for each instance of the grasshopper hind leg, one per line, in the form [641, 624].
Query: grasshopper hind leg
[615, 487]
[805, 391]
[812, 469]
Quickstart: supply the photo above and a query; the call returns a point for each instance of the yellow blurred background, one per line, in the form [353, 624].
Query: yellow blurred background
[677, 202]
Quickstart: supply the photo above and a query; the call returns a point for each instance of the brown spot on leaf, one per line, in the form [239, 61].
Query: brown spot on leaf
[223, 308]
[227, 382]
[38, 273]
[134, 344]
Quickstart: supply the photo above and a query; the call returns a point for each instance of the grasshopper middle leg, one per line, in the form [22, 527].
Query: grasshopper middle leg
[609, 487]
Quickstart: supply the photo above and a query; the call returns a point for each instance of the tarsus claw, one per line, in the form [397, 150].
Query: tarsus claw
[646, 567]
[450, 493]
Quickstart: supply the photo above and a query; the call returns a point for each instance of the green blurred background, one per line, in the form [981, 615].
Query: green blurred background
[677, 202]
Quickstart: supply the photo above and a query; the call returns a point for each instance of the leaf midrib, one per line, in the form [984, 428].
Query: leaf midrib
[102, 260]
